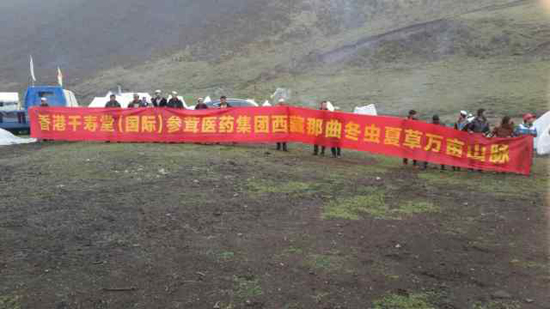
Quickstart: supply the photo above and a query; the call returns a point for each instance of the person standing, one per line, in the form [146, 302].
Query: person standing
[158, 100]
[437, 122]
[462, 121]
[527, 127]
[136, 102]
[479, 124]
[201, 104]
[175, 102]
[322, 107]
[144, 102]
[223, 102]
[113, 103]
[505, 130]
[44, 102]
[411, 116]
[282, 145]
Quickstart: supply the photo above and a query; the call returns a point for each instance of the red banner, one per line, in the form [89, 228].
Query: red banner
[383, 135]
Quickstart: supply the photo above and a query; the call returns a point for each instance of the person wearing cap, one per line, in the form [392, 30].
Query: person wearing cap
[223, 102]
[479, 124]
[282, 145]
[136, 102]
[462, 121]
[158, 100]
[113, 103]
[437, 122]
[527, 127]
[201, 104]
[413, 115]
[175, 102]
[44, 102]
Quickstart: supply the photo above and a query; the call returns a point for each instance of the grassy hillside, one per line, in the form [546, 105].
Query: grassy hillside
[492, 53]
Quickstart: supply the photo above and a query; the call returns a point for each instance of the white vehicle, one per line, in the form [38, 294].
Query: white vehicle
[9, 101]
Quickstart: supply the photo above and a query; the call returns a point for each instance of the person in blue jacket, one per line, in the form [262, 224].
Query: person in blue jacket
[527, 127]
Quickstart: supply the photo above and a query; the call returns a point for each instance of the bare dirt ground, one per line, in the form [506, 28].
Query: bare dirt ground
[92, 225]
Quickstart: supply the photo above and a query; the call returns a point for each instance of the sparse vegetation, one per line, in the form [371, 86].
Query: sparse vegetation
[10, 302]
[375, 205]
[411, 301]
[247, 287]
[498, 304]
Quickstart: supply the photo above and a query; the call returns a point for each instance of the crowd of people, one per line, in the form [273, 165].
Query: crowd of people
[466, 122]
[480, 125]
[159, 101]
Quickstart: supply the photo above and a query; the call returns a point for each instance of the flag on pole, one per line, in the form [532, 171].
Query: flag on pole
[32, 70]
[59, 77]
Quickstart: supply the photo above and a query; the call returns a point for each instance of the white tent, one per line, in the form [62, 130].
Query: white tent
[207, 99]
[543, 141]
[542, 123]
[123, 98]
[253, 102]
[331, 107]
[6, 138]
[9, 101]
[266, 104]
[366, 110]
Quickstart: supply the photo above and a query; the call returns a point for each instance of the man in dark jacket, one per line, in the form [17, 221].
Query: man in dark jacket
[437, 122]
[136, 102]
[200, 104]
[282, 145]
[412, 116]
[479, 124]
[175, 102]
[323, 107]
[113, 103]
[223, 102]
[158, 100]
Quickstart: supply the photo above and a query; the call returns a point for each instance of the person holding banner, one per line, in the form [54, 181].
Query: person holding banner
[113, 103]
[223, 102]
[479, 124]
[323, 107]
[505, 130]
[282, 145]
[462, 121]
[136, 102]
[527, 127]
[201, 104]
[412, 116]
[158, 100]
[437, 122]
[44, 102]
[175, 102]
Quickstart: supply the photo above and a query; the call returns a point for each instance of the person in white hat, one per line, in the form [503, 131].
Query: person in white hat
[282, 145]
[158, 100]
[175, 102]
[44, 102]
[462, 121]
